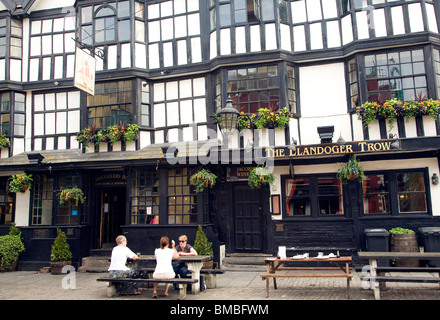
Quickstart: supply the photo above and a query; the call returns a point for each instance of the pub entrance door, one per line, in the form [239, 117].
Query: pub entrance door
[248, 218]
[112, 214]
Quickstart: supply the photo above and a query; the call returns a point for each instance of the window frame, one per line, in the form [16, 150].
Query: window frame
[222, 93]
[6, 200]
[116, 120]
[313, 197]
[394, 193]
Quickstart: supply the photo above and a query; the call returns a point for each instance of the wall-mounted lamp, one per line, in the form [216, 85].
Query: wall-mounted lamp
[249, 145]
[396, 143]
[228, 120]
[326, 133]
[341, 140]
[292, 146]
[434, 179]
[35, 158]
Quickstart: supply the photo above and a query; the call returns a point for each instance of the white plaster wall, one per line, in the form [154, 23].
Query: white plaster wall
[323, 102]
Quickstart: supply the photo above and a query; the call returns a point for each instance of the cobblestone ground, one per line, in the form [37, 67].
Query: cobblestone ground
[232, 285]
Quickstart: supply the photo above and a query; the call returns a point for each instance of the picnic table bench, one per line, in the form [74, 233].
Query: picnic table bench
[210, 275]
[377, 277]
[275, 264]
[182, 282]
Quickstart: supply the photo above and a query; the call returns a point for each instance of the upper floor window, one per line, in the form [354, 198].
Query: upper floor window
[15, 37]
[235, 12]
[400, 75]
[109, 22]
[12, 114]
[111, 104]
[253, 88]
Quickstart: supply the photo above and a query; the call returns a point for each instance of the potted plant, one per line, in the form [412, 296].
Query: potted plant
[259, 177]
[390, 109]
[11, 246]
[60, 255]
[72, 196]
[243, 121]
[203, 246]
[114, 133]
[20, 182]
[131, 133]
[352, 170]
[203, 179]
[404, 240]
[4, 142]
[87, 136]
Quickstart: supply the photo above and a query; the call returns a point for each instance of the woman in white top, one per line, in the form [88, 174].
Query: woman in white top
[118, 269]
[164, 268]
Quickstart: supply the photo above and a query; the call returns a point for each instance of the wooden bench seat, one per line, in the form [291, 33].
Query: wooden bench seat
[210, 275]
[408, 269]
[407, 279]
[182, 282]
[202, 271]
[305, 275]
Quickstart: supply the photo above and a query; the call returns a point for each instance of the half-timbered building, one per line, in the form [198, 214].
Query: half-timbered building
[169, 67]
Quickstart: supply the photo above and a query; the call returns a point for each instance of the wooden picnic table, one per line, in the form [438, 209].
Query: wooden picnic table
[274, 265]
[194, 263]
[376, 273]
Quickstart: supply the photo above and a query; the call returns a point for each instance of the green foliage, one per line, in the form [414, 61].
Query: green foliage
[203, 179]
[4, 142]
[259, 177]
[351, 171]
[264, 118]
[11, 246]
[111, 134]
[202, 245]
[390, 109]
[399, 230]
[71, 195]
[20, 182]
[60, 248]
[132, 133]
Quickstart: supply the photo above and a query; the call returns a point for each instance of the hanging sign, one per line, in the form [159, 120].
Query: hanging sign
[84, 71]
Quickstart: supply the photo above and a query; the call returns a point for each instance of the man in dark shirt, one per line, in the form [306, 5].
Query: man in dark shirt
[183, 249]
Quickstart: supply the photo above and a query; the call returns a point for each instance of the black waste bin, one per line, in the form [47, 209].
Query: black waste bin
[429, 238]
[377, 240]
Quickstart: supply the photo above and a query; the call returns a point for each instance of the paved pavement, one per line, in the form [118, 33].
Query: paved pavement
[232, 285]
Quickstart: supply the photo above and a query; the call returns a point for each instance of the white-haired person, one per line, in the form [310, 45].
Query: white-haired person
[118, 268]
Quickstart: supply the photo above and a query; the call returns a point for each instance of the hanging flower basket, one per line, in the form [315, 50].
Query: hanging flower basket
[203, 179]
[4, 142]
[259, 177]
[20, 183]
[72, 196]
[351, 171]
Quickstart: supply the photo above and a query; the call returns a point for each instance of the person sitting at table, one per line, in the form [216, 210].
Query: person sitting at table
[118, 269]
[184, 249]
[164, 268]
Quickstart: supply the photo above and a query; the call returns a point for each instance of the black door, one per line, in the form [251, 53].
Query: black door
[248, 209]
[112, 215]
